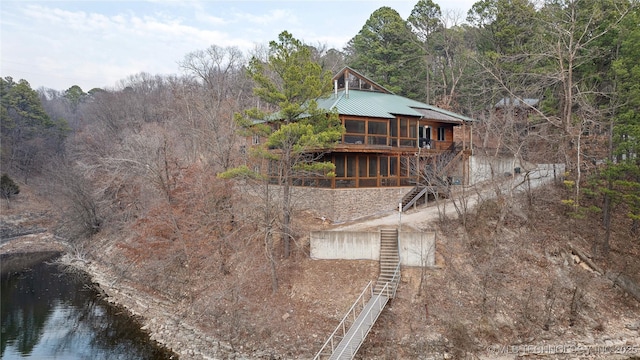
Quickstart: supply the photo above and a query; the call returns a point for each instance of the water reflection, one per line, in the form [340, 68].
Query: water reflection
[48, 314]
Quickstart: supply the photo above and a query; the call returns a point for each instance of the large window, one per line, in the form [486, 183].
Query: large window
[370, 132]
[408, 130]
[354, 126]
[373, 170]
[355, 132]
[377, 131]
[377, 127]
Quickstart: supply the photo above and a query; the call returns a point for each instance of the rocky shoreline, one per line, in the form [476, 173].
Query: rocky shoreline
[156, 315]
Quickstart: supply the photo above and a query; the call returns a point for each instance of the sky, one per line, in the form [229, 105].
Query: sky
[58, 44]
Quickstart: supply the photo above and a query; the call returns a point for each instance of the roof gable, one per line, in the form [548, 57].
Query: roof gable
[348, 78]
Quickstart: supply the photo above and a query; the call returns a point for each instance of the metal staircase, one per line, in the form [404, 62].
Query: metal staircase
[349, 335]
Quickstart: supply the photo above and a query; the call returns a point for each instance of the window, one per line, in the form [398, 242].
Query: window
[339, 161]
[255, 140]
[384, 166]
[377, 128]
[354, 126]
[413, 129]
[373, 166]
[404, 123]
[362, 166]
[393, 166]
[351, 166]
[441, 133]
[408, 134]
[377, 131]
[369, 132]
[353, 129]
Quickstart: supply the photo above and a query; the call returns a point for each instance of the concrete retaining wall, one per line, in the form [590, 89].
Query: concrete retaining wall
[416, 249]
[483, 168]
[349, 245]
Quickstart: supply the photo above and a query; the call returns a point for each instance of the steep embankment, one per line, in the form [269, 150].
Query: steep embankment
[504, 278]
[514, 278]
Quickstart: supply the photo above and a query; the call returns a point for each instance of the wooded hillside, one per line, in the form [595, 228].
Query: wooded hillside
[133, 170]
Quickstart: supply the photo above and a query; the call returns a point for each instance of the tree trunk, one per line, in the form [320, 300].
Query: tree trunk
[268, 241]
[286, 204]
[606, 219]
[286, 218]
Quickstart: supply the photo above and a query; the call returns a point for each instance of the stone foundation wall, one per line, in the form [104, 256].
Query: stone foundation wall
[340, 205]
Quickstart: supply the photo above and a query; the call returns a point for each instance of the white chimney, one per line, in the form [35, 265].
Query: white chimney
[346, 88]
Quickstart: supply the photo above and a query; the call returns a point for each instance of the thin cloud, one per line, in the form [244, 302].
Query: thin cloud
[277, 16]
[96, 43]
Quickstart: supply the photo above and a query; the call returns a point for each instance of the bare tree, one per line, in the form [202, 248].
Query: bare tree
[220, 89]
[78, 200]
[567, 41]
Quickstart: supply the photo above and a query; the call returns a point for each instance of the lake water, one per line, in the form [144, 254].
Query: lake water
[49, 314]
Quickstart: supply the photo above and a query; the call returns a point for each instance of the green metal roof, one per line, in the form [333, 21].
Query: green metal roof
[382, 105]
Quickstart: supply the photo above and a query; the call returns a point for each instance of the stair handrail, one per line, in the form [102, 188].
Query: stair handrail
[443, 171]
[407, 196]
[373, 321]
[397, 272]
[344, 321]
[395, 280]
[415, 198]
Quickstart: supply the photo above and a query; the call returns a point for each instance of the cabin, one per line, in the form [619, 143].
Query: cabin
[390, 140]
